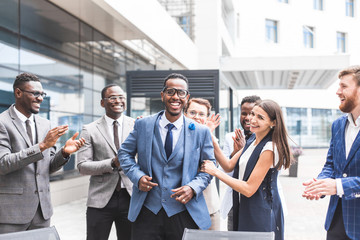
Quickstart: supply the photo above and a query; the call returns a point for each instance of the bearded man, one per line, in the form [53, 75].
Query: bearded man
[340, 176]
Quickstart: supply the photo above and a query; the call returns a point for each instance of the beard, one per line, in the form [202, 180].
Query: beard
[349, 104]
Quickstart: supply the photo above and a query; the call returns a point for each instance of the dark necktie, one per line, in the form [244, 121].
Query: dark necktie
[116, 135]
[117, 145]
[169, 140]
[28, 131]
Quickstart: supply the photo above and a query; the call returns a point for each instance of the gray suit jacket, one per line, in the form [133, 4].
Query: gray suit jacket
[94, 159]
[22, 187]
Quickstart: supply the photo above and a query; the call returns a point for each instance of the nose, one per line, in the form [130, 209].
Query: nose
[176, 95]
[338, 92]
[40, 98]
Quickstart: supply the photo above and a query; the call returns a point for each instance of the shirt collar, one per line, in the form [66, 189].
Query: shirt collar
[22, 117]
[110, 121]
[351, 121]
[164, 121]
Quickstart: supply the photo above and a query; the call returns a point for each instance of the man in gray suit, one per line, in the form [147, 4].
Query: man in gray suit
[27, 157]
[109, 189]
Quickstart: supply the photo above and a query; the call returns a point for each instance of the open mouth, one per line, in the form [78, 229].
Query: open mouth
[175, 105]
[118, 107]
[36, 104]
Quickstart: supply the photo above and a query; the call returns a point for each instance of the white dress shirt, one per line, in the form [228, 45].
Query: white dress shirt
[163, 122]
[23, 118]
[110, 124]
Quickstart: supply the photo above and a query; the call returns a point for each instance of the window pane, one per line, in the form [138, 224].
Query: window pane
[318, 5]
[308, 36]
[350, 8]
[271, 31]
[341, 42]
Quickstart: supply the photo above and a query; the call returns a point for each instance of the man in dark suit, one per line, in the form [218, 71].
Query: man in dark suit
[109, 189]
[27, 157]
[340, 176]
[167, 193]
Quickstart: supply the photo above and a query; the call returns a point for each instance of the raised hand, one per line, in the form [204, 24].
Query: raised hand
[52, 136]
[213, 122]
[72, 145]
[239, 140]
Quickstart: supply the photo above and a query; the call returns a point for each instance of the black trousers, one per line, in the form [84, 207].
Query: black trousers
[337, 229]
[161, 227]
[100, 220]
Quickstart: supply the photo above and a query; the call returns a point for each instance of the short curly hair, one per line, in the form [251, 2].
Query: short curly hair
[23, 78]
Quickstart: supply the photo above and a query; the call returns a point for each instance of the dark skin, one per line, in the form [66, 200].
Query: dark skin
[27, 104]
[173, 110]
[114, 109]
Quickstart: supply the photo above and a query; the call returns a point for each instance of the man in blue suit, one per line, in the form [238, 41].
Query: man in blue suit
[167, 193]
[340, 176]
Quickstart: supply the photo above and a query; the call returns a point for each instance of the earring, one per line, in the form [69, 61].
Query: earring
[271, 127]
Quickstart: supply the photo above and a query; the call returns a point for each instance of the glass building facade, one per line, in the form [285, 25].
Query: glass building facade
[73, 60]
[310, 127]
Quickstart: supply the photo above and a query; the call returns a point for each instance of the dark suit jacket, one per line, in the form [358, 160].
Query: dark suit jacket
[348, 169]
[22, 187]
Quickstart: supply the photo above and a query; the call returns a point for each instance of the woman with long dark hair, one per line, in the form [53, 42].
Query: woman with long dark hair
[256, 201]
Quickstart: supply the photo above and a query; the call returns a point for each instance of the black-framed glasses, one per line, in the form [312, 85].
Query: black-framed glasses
[113, 99]
[35, 93]
[182, 93]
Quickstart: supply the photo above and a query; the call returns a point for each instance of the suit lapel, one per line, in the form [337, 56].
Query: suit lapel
[341, 139]
[189, 137]
[39, 131]
[19, 125]
[103, 129]
[354, 148]
[152, 123]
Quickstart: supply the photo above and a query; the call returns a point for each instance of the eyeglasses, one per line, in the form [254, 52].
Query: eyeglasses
[194, 113]
[36, 93]
[113, 99]
[182, 93]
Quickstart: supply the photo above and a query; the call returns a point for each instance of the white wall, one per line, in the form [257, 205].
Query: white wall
[292, 17]
[309, 98]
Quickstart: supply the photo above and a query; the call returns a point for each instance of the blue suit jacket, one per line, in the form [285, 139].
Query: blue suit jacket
[198, 147]
[348, 169]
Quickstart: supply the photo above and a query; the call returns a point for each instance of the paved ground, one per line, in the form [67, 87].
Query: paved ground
[304, 221]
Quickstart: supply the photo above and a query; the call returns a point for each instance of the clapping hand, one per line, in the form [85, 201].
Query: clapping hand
[239, 140]
[72, 145]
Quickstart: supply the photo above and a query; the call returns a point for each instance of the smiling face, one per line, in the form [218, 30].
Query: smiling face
[197, 111]
[245, 115]
[25, 101]
[260, 121]
[173, 104]
[348, 93]
[114, 108]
